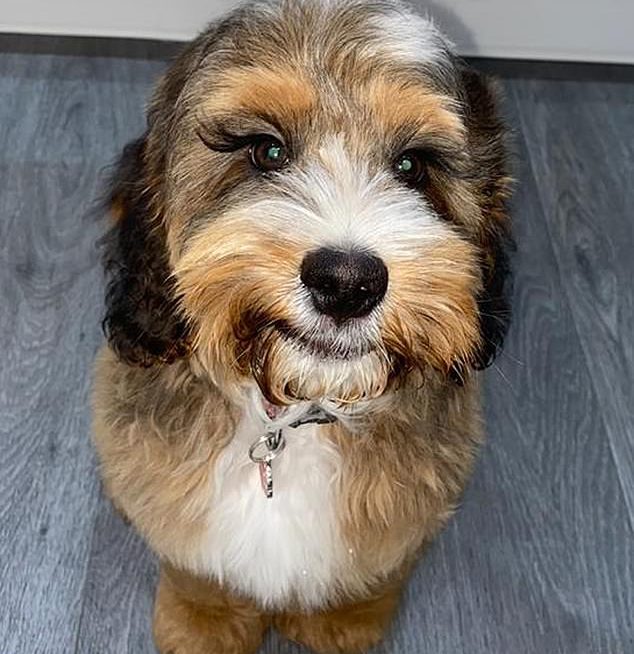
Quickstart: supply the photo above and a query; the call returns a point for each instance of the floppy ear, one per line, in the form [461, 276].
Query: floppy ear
[488, 150]
[143, 323]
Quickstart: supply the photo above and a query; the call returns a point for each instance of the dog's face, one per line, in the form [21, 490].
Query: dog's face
[318, 204]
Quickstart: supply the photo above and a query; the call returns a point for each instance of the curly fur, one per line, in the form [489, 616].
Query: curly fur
[143, 321]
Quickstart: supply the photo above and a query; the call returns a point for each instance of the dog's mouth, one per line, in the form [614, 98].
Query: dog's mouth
[343, 365]
[326, 340]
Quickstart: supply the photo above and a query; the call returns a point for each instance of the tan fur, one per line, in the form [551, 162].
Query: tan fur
[192, 616]
[431, 315]
[233, 293]
[398, 490]
[274, 89]
[158, 434]
[406, 101]
[350, 629]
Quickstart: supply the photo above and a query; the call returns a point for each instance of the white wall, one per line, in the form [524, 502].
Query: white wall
[543, 29]
[162, 19]
[578, 30]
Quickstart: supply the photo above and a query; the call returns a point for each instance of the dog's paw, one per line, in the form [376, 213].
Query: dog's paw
[340, 639]
[211, 638]
[333, 634]
[185, 625]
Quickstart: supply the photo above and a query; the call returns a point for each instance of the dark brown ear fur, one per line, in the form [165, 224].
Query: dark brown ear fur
[143, 323]
[488, 146]
[142, 320]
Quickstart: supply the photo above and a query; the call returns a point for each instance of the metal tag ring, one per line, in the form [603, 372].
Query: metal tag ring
[269, 454]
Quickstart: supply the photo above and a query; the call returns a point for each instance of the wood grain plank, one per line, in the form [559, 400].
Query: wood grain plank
[581, 145]
[47, 486]
[47, 490]
[119, 590]
[58, 128]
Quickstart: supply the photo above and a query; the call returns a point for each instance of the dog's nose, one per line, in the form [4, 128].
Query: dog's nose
[344, 284]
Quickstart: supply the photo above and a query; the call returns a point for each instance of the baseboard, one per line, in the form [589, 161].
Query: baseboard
[91, 46]
[556, 70]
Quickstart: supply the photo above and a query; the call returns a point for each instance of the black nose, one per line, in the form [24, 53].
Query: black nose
[344, 284]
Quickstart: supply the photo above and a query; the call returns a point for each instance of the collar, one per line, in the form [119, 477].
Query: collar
[314, 415]
[303, 413]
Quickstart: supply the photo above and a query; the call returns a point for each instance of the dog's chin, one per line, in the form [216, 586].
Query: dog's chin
[292, 366]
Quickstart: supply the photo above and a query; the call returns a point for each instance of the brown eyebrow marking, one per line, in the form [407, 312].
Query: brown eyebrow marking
[407, 103]
[280, 93]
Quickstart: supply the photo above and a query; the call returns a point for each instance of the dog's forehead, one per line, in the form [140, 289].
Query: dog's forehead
[332, 30]
[358, 65]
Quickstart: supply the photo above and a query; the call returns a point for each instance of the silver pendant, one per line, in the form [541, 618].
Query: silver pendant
[262, 452]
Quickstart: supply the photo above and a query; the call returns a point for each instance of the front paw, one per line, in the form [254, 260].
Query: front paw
[328, 637]
[220, 625]
[349, 629]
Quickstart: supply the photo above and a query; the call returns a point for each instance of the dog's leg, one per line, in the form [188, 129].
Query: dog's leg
[192, 616]
[349, 629]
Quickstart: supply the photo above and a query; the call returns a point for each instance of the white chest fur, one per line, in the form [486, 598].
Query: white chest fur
[287, 547]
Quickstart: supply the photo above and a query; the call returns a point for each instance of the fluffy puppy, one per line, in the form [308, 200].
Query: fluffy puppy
[308, 251]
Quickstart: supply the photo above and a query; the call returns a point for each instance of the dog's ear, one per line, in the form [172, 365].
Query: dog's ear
[488, 149]
[142, 323]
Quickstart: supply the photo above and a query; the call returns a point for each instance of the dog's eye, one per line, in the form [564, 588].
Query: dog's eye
[410, 167]
[268, 154]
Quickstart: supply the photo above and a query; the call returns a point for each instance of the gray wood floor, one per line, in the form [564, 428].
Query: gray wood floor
[539, 559]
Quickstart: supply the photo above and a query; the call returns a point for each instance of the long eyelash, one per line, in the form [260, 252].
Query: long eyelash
[224, 141]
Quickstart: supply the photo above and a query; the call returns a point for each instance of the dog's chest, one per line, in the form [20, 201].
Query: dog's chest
[285, 548]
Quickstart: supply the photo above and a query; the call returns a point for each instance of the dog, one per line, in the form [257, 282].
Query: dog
[307, 267]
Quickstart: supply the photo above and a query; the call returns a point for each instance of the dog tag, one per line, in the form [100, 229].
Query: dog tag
[266, 478]
[262, 452]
